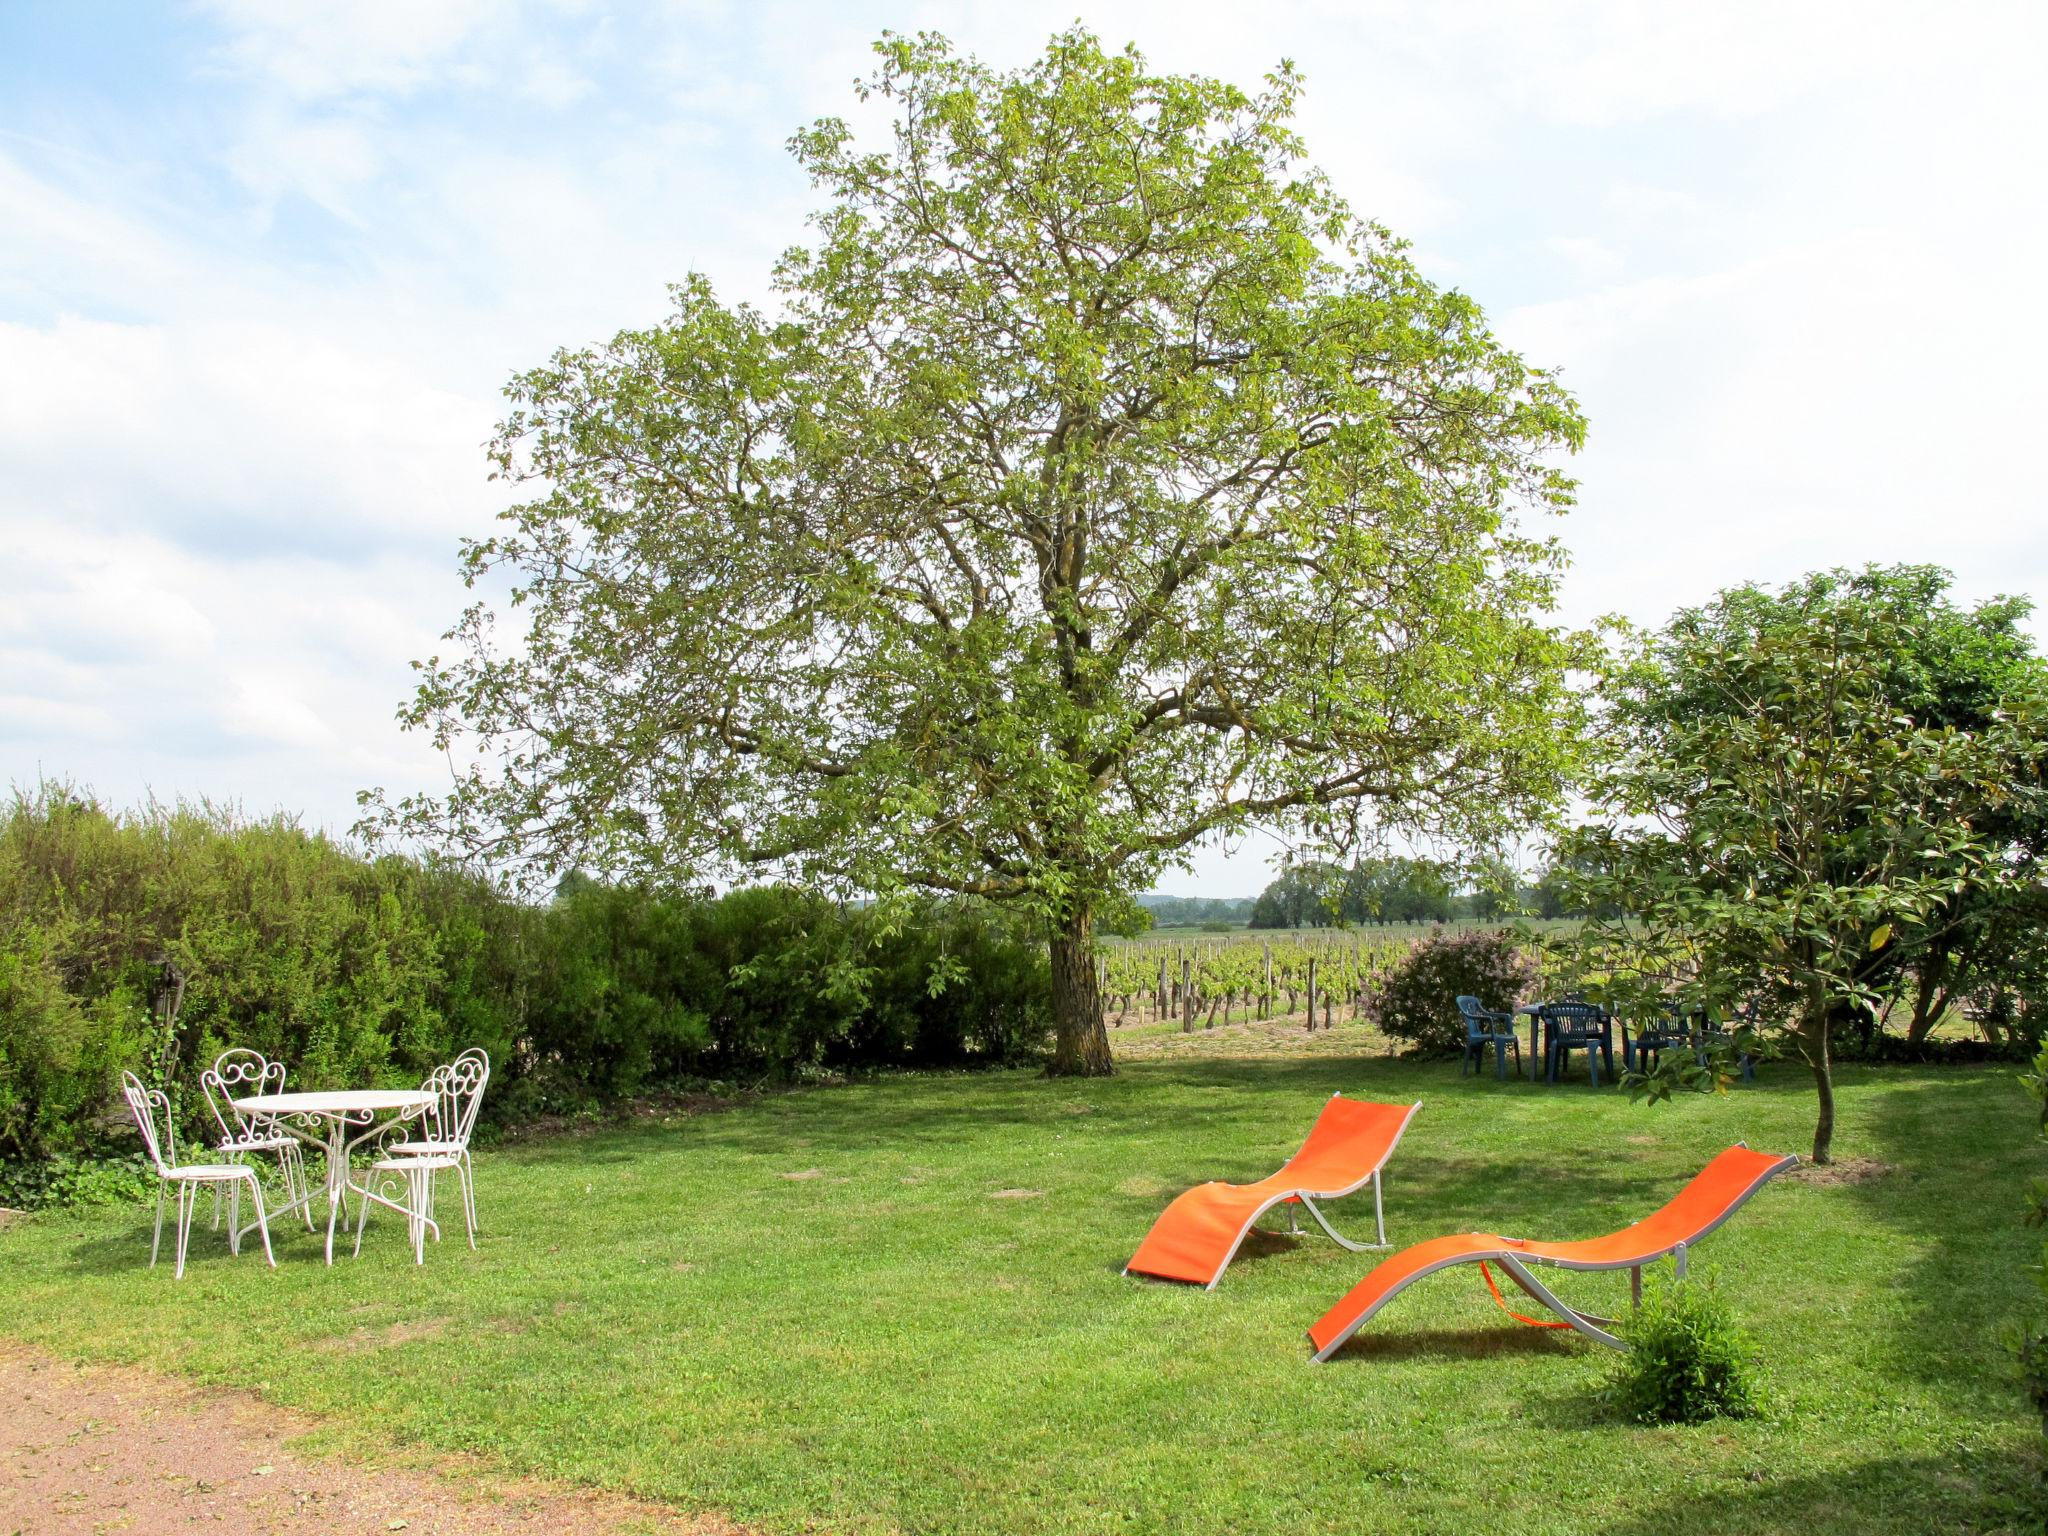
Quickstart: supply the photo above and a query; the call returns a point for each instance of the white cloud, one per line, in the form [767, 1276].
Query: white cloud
[312, 50]
[271, 707]
[222, 430]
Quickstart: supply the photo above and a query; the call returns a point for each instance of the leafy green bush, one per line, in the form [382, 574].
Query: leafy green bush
[770, 982]
[55, 1181]
[1417, 1000]
[1687, 1361]
[153, 940]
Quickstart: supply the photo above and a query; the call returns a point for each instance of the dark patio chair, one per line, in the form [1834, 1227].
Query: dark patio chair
[1672, 1028]
[1483, 1027]
[1713, 1032]
[1577, 1026]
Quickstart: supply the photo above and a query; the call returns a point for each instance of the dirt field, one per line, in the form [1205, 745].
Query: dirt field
[90, 1449]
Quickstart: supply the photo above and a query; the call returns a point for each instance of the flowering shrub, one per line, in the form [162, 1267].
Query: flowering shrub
[1417, 1000]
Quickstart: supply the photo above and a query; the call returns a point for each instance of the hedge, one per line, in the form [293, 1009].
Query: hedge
[153, 940]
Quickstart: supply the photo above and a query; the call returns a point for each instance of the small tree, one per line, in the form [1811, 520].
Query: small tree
[1102, 485]
[1784, 817]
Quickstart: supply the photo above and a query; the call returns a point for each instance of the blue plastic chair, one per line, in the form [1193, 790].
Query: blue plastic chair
[1483, 1027]
[1577, 1027]
[1673, 1028]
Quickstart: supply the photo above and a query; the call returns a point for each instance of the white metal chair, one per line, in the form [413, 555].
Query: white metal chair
[146, 1104]
[458, 1088]
[237, 1074]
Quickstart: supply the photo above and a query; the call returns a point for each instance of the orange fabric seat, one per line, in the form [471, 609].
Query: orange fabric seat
[1711, 1198]
[1196, 1236]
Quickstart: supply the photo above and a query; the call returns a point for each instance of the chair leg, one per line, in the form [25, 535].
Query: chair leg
[234, 1215]
[262, 1218]
[1339, 1238]
[422, 1184]
[188, 1197]
[156, 1240]
[468, 1173]
[1584, 1322]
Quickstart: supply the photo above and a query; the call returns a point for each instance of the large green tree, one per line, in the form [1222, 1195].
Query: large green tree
[1801, 801]
[1099, 484]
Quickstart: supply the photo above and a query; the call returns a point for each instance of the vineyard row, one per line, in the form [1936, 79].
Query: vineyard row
[1209, 982]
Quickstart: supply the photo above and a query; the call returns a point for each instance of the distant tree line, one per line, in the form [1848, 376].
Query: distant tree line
[1401, 889]
[1218, 912]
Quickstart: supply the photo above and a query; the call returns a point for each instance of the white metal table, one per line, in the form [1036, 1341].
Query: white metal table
[337, 1123]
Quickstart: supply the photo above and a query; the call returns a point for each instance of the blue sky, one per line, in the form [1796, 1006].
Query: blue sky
[263, 268]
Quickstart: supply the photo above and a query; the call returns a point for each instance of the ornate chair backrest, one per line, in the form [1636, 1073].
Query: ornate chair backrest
[458, 1089]
[145, 1104]
[237, 1074]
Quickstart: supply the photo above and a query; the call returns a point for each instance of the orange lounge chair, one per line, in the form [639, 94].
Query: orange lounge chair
[1197, 1236]
[1710, 1199]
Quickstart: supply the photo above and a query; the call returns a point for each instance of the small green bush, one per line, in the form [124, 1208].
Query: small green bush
[1417, 1000]
[1688, 1360]
[66, 1181]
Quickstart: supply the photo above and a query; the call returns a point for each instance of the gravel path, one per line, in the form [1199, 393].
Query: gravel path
[91, 1449]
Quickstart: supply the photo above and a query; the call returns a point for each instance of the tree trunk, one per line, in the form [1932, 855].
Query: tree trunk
[1080, 1043]
[1813, 1043]
[1930, 998]
[168, 1003]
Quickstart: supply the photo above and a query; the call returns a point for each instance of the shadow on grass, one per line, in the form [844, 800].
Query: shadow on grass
[1980, 1493]
[1263, 1243]
[108, 1253]
[1968, 1263]
[107, 1250]
[1365, 1349]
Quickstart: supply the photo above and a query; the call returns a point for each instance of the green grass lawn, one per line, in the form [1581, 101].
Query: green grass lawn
[832, 1310]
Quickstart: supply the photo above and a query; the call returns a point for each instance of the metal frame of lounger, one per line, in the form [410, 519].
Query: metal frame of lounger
[1308, 1199]
[1514, 1255]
